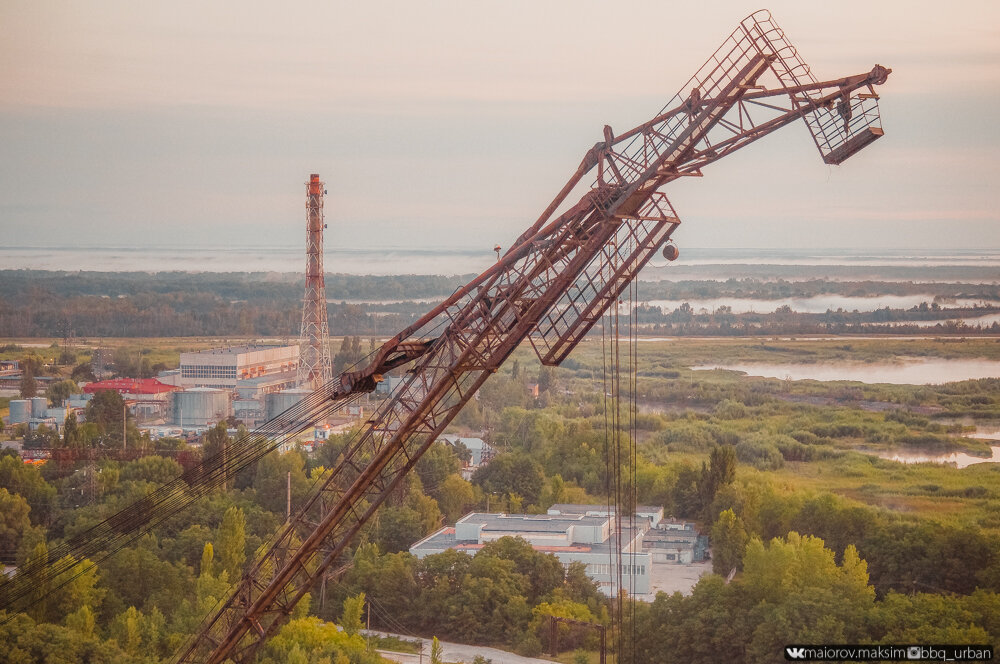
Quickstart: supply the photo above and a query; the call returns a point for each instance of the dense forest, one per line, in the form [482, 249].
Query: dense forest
[830, 542]
[140, 304]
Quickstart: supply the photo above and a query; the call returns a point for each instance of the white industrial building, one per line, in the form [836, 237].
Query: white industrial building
[586, 538]
[675, 541]
[224, 368]
[646, 516]
[247, 374]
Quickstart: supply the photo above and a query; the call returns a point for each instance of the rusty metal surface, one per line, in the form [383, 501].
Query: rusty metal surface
[551, 286]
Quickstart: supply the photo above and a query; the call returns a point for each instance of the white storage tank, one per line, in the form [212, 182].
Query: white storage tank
[200, 406]
[58, 414]
[20, 411]
[38, 406]
[278, 402]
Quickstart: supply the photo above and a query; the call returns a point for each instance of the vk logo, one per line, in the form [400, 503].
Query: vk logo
[795, 653]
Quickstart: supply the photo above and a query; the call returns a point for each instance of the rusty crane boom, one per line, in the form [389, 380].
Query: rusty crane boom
[550, 287]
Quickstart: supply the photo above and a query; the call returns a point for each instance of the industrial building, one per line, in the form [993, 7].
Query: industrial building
[675, 542]
[226, 368]
[589, 539]
[35, 412]
[646, 516]
[246, 374]
[147, 398]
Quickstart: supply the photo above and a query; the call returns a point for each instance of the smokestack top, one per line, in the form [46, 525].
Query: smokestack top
[314, 186]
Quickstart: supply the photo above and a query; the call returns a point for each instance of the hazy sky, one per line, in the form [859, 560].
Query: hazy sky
[454, 123]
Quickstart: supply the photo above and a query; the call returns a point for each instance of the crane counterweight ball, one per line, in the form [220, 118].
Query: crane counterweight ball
[670, 251]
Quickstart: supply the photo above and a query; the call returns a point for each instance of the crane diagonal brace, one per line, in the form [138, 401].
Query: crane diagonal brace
[552, 285]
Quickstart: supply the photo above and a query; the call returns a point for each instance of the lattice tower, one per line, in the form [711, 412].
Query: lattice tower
[315, 365]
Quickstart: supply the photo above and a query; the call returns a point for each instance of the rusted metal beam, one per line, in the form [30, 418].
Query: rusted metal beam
[551, 286]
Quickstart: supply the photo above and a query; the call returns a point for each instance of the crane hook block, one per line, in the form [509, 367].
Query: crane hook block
[670, 251]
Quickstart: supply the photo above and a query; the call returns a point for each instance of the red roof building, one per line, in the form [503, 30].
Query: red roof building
[136, 387]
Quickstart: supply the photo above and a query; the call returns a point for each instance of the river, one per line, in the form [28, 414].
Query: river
[911, 371]
[959, 459]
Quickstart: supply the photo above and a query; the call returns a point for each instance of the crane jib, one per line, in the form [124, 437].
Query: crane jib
[550, 287]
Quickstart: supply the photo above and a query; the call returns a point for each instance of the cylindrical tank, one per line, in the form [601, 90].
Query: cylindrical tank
[276, 403]
[38, 406]
[20, 411]
[200, 406]
[58, 414]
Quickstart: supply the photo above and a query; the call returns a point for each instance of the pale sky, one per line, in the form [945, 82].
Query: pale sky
[452, 124]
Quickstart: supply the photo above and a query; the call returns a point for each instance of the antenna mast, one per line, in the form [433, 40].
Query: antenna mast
[315, 366]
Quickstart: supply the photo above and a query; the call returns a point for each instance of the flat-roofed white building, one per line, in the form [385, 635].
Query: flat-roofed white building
[586, 538]
[646, 516]
[223, 368]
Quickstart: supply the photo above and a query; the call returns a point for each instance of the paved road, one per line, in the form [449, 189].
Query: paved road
[456, 652]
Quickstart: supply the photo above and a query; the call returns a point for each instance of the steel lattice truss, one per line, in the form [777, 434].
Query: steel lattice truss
[551, 287]
[315, 366]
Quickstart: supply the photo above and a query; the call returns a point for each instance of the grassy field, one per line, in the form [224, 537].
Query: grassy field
[831, 423]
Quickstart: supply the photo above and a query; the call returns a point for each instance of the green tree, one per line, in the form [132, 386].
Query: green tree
[71, 431]
[686, 494]
[106, 410]
[72, 589]
[491, 605]
[557, 489]
[437, 463]
[317, 641]
[207, 565]
[82, 621]
[350, 618]
[67, 357]
[397, 528]
[436, 651]
[25, 480]
[38, 598]
[543, 571]
[153, 468]
[425, 506]
[216, 441]
[567, 637]
[126, 629]
[232, 542]
[720, 472]
[803, 596]
[139, 576]
[512, 472]
[188, 546]
[271, 477]
[33, 362]
[455, 498]
[729, 539]
[14, 521]
[29, 386]
[59, 391]
[580, 587]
